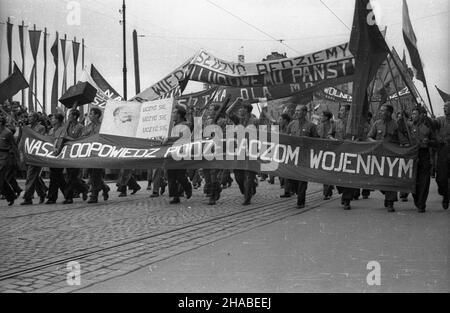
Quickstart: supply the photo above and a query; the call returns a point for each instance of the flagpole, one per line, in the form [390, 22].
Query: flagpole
[136, 63]
[123, 22]
[429, 99]
[36, 100]
[404, 79]
[82, 53]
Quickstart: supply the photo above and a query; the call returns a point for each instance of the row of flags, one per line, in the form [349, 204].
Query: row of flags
[35, 40]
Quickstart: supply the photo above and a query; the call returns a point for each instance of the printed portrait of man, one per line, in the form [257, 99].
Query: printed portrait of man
[126, 120]
[120, 119]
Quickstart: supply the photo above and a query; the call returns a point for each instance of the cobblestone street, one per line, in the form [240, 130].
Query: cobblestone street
[121, 235]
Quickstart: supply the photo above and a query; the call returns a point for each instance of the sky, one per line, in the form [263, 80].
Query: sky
[171, 31]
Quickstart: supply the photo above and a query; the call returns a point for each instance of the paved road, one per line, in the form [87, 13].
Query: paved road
[122, 235]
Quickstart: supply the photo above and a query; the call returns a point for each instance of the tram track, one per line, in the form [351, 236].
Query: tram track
[271, 209]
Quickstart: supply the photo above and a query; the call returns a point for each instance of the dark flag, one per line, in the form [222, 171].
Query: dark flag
[368, 46]
[44, 87]
[76, 50]
[31, 92]
[445, 96]
[103, 84]
[9, 28]
[64, 58]
[35, 37]
[54, 99]
[13, 84]
[22, 52]
[411, 44]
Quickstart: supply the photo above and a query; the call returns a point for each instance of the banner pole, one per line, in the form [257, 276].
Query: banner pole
[407, 85]
[429, 99]
[398, 100]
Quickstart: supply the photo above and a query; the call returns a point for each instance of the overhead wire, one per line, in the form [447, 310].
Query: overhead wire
[253, 26]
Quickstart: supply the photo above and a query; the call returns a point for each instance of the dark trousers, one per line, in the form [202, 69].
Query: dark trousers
[158, 180]
[225, 177]
[177, 178]
[364, 192]
[328, 190]
[75, 183]
[34, 182]
[127, 179]
[96, 181]
[423, 179]
[57, 182]
[290, 186]
[348, 194]
[194, 176]
[150, 176]
[390, 197]
[301, 192]
[212, 183]
[246, 182]
[443, 171]
[5, 187]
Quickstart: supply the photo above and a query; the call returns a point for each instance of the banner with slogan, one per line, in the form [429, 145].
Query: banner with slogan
[307, 71]
[169, 86]
[148, 120]
[281, 78]
[370, 165]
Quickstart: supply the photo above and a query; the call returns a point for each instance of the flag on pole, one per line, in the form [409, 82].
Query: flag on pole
[13, 84]
[44, 87]
[54, 97]
[65, 58]
[445, 96]
[411, 44]
[31, 92]
[368, 46]
[35, 37]
[76, 50]
[9, 28]
[22, 52]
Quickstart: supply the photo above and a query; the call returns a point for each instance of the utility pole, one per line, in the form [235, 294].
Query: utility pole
[136, 62]
[123, 22]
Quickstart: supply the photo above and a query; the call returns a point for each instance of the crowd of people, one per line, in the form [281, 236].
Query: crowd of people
[432, 135]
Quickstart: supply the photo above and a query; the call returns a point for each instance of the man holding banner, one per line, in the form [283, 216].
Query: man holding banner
[95, 174]
[245, 179]
[75, 183]
[301, 127]
[178, 177]
[386, 129]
